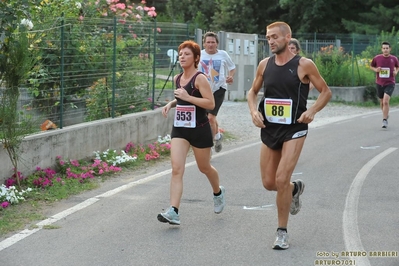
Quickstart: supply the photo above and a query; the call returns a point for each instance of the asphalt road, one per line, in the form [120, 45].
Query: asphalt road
[349, 212]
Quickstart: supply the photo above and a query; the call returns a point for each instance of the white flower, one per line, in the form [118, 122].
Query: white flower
[164, 140]
[78, 5]
[27, 23]
[11, 194]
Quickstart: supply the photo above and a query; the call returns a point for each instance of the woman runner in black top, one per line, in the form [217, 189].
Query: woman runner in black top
[190, 129]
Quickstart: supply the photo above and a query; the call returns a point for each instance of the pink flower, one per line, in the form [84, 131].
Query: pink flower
[75, 163]
[159, 30]
[5, 204]
[120, 6]
[10, 182]
[152, 13]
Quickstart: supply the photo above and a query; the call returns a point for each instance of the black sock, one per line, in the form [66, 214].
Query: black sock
[175, 209]
[295, 189]
[217, 194]
[282, 229]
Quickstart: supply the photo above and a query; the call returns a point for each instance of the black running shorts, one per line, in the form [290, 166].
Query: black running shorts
[388, 89]
[199, 137]
[274, 135]
[219, 98]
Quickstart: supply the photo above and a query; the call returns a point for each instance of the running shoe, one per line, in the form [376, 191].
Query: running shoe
[281, 240]
[169, 216]
[296, 202]
[219, 201]
[384, 123]
[218, 143]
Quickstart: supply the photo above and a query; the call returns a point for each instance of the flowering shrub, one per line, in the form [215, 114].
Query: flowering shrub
[83, 170]
[111, 156]
[11, 195]
[152, 151]
[104, 163]
[42, 178]
[12, 181]
[336, 67]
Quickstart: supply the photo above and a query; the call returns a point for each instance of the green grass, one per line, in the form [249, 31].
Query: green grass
[17, 217]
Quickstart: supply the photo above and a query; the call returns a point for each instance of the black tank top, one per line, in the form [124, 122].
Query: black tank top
[201, 114]
[282, 82]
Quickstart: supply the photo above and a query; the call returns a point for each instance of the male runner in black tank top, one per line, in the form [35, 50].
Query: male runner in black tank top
[283, 119]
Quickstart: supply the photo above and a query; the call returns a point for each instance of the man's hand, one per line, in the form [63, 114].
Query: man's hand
[306, 117]
[257, 119]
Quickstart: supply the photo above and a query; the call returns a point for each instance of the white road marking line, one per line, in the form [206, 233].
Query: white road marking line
[369, 147]
[263, 207]
[350, 229]
[27, 232]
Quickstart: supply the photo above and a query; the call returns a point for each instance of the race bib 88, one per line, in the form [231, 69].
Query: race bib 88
[278, 110]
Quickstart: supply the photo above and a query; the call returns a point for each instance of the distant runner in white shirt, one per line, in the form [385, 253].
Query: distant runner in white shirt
[219, 68]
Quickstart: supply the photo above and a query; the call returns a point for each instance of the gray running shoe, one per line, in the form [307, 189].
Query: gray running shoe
[219, 201]
[218, 144]
[169, 216]
[296, 203]
[384, 123]
[281, 240]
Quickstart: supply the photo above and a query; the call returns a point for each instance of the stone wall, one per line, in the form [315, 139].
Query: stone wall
[81, 140]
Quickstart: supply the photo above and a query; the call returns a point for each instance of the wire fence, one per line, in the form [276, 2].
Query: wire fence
[356, 44]
[99, 68]
[342, 59]
[104, 68]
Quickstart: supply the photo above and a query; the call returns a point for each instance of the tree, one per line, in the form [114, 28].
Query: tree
[376, 16]
[235, 16]
[197, 12]
[15, 63]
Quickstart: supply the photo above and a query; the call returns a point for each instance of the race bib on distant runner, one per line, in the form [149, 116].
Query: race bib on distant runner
[384, 72]
[185, 116]
[278, 110]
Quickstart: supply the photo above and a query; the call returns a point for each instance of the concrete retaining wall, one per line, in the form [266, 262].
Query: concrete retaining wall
[81, 140]
[348, 94]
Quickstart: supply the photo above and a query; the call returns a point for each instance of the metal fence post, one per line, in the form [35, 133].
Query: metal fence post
[154, 64]
[353, 57]
[62, 72]
[114, 71]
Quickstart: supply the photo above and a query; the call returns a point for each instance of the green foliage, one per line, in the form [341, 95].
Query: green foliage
[373, 16]
[341, 69]
[322, 16]
[235, 16]
[84, 47]
[370, 94]
[16, 59]
[390, 36]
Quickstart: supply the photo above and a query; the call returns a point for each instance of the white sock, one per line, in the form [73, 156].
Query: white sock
[217, 136]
